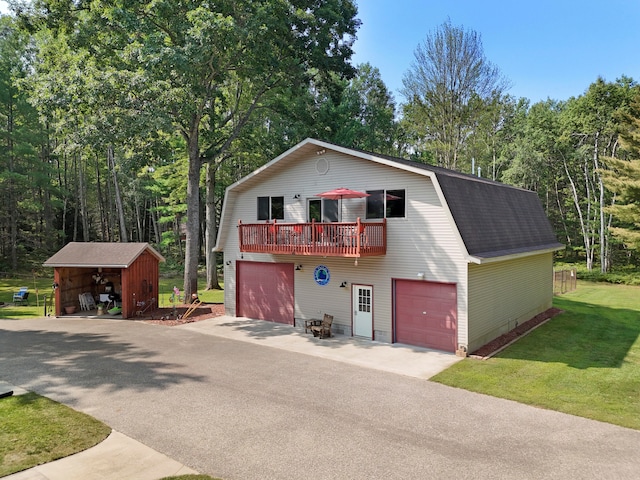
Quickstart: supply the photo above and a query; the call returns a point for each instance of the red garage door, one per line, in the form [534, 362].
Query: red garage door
[426, 314]
[265, 291]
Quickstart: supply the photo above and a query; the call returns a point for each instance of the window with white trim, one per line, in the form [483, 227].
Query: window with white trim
[270, 208]
[322, 210]
[386, 204]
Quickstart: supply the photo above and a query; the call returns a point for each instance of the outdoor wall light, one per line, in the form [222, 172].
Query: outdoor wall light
[343, 285]
[228, 262]
[420, 275]
[296, 196]
[298, 267]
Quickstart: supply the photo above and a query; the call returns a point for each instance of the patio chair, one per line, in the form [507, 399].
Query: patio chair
[21, 297]
[87, 301]
[323, 330]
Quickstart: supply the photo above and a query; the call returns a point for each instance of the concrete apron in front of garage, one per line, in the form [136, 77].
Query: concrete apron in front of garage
[395, 358]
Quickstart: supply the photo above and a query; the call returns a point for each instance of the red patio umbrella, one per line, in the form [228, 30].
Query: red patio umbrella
[340, 193]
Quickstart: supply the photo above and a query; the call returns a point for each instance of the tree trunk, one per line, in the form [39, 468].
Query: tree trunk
[590, 238]
[62, 180]
[192, 247]
[77, 195]
[100, 203]
[82, 200]
[156, 226]
[602, 223]
[48, 211]
[211, 229]
[563, 216]
[139, 220]
[583, 223]
[124, 237]
[12, 200]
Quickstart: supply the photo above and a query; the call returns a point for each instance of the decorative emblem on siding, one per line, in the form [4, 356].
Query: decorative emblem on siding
[321, 275]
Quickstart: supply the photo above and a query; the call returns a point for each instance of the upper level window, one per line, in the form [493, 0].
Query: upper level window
[270, 208]
[322, 210]
[386, 204]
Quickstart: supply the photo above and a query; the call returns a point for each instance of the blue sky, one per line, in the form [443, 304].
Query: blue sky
[546, 49]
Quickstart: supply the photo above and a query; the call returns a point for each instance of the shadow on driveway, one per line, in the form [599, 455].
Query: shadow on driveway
[87, 360]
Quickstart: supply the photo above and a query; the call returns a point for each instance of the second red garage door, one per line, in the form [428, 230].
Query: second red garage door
[426, 314]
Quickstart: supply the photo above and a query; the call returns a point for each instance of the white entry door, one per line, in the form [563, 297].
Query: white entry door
[362, 311]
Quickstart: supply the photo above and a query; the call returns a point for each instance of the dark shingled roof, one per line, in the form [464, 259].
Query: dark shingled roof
[100, 254]
[494, 219]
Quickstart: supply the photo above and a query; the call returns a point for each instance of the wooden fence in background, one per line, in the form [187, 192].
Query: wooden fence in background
[564, 281]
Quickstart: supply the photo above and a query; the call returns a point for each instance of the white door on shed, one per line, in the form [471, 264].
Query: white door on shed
[362, 296]
[265, 291]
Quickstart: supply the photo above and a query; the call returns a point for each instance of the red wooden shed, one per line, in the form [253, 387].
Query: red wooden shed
[130, 269]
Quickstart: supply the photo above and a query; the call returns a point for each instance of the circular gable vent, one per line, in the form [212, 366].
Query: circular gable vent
[322, 166]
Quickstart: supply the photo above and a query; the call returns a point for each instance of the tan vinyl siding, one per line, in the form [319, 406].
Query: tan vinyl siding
[504, 294]
[424, 241]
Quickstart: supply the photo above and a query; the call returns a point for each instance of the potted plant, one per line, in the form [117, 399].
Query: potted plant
[69, 309]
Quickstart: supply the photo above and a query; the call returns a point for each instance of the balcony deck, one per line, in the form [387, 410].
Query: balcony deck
[339, 239]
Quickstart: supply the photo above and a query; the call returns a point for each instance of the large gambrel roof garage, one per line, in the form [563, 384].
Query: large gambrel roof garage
[439, 259]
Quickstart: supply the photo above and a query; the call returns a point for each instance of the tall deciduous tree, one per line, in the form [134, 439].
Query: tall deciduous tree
[445, 90]
[536, 159]
[359, 113]
[492, 133]
[591, 127]
[208, 67]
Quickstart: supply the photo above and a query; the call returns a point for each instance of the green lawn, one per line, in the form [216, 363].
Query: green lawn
[36, 430]
[207, 296]
[585, 362]
[40, 287]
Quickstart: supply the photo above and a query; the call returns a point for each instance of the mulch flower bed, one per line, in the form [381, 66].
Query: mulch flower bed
[170, 317]
[495, 345]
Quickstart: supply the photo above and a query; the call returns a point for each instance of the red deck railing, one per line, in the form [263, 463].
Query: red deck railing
[340, 239]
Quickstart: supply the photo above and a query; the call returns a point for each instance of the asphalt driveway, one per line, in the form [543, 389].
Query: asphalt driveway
[243, 411]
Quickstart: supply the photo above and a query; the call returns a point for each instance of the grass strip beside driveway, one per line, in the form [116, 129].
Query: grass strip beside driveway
[585, 362]
[36, 430]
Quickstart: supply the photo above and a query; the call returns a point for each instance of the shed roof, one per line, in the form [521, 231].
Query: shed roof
[100, 254]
